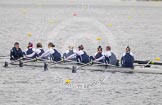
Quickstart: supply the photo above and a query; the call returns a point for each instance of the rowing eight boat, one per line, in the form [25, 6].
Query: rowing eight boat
[91, 67]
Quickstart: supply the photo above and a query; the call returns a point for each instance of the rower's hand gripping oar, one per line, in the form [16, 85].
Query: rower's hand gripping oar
[45, 66]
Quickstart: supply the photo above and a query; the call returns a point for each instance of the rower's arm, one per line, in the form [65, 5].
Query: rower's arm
[47, 53]
[101, 58]
[31, 55]
[71, 56]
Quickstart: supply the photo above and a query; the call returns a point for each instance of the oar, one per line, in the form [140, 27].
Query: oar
[58, 62]
[18, 60]
[53, 62]
[74, 68]
[101, 63]
[21, 63]
[29, 60]
[148, 62]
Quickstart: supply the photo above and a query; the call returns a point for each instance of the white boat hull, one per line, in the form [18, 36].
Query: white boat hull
[137, 69]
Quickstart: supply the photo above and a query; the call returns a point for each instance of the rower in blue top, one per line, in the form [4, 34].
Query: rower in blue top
[99, 55]
[127, 59]
[51, 53]
[29, 51]
[69, 52]
[80, 55]
[36, 52]
[16, 52]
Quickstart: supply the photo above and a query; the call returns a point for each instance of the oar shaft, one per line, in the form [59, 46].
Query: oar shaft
[146, 62]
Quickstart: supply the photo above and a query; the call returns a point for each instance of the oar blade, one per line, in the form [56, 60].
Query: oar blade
[74, 69]
[5, 64]
[45, 66]
[20, 63]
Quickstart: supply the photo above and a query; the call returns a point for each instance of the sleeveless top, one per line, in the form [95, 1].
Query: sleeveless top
[56, 56]
[127, 60]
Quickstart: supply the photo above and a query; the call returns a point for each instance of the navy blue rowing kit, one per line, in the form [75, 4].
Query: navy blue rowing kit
[68, 53]
[51, 54]
[34, 53]
[15, 53]
[56, 56]
[29, 51]
[41, 51]
[83, 58]
[99, 56]
[110, 58]
[127, 60]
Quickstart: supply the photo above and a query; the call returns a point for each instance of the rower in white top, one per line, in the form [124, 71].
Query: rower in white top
[51, 53]
[36, 52]
[29, 51]
[99, 55]
[70, 52]
[80, 55]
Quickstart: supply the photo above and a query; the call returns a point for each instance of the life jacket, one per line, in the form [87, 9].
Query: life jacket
[56, 56]
[127, 60]
[85, 58]
[29, 51]
[42, 51]
[71, 52]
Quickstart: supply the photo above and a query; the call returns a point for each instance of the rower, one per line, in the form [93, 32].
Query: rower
[51, 53]
[30, 51]
[36, 52]
[99, 55]
[110, 57]
[127, 59]
[69, 52]
[80, 55]
[16, 52]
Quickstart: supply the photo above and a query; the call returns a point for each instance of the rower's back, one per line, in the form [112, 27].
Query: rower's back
[70, 52]
[29, 51]
[112, 59]
[56, 56]
[85, 58]
[127, 60]
[41, 52]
